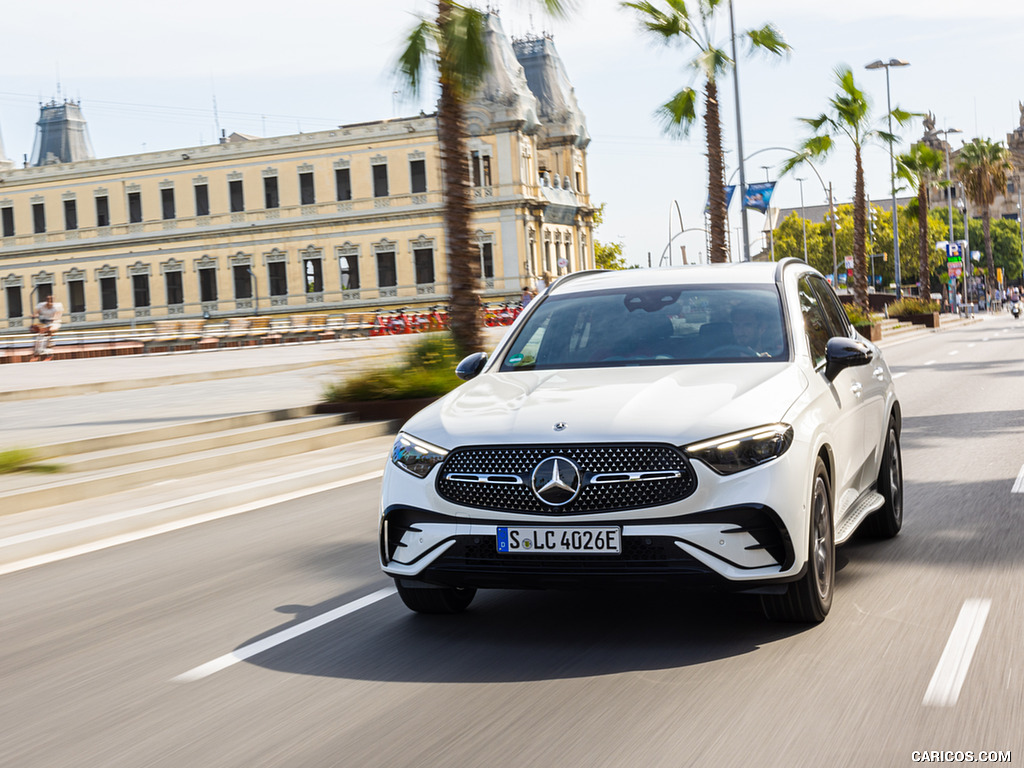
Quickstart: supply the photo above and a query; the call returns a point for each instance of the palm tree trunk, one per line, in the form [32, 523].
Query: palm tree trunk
[986, 223]
[860, 274]
[924, 275]
[463, 254]
[716, 175]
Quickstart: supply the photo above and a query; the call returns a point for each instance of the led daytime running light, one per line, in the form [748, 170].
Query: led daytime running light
[415, 456]
[742, 450]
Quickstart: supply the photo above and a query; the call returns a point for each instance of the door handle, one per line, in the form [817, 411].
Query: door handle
[878, 373]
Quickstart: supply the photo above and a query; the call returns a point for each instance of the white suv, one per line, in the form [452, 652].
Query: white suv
[719, 426]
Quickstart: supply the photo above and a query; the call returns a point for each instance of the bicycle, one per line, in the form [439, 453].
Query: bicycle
[42, 343]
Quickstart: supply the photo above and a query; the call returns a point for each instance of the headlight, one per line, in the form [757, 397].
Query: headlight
[742, 450]
[416, 456]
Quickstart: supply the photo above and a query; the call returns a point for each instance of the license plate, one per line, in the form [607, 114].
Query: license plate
[542, 541]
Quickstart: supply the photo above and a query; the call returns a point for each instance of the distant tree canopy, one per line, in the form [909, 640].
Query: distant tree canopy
[607, 255]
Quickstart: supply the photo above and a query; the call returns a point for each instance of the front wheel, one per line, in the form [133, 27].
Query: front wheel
[440, 600]
[887, 521]
[809, 599]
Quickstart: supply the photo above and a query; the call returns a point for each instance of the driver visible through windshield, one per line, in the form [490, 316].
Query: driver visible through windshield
[652, 326]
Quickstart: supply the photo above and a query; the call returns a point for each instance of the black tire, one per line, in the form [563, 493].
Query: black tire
[440, 600]
[887, 521]
[809, 599]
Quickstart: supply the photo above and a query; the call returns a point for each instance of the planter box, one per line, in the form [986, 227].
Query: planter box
[870, 332]
[379, 410]
[927, 319]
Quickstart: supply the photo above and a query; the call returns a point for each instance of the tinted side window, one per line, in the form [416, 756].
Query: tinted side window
[834, 312]
[815, 324]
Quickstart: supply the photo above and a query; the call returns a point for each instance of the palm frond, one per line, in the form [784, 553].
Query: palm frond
[421, 46]
[678, 114]
[768, 38]
[464, 60]
[653, 19]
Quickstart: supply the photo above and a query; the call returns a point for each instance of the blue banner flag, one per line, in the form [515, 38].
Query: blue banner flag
[759, 195]
[728, 198]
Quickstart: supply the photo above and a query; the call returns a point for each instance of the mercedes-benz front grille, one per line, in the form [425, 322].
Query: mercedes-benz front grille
[611, 477]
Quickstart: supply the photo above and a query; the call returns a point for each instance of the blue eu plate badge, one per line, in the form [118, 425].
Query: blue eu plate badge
[503, 539]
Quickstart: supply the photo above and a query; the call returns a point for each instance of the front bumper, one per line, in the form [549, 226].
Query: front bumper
[738, 531]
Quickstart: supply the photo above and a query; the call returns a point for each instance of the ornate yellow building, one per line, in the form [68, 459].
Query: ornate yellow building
[344, 219]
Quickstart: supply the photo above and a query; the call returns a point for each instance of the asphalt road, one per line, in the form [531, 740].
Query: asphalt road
[137, 655]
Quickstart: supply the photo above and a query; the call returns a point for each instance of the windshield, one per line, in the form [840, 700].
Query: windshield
[652, 326]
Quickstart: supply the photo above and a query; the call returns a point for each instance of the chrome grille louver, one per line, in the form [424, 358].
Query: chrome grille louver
[616, 476]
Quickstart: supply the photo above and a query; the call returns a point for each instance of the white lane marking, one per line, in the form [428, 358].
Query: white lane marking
[930, 362]
[970, 345]
[56, 530]
[985, 338]
[247, 651]
[955, 352]
[113, 541]
[1018, 486]
[944, 688]
[897, 375]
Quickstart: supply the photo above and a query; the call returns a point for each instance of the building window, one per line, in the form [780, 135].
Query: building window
[14, 308]
[480, 167]
[343, 183]
[134, 207]
[175, 290]
[237, 198]
[38, 218]
[313, 268]
[202, 200]
[424, 261]
[76, 295]
[579, 181]
[140, 290]
[243, 281]
[487, 260]
[207, 284]
[102, 211]
[270, 195]
[349, 272]
[7, 214]
[278, 272]
[70, 214]
[380, 180]
[387, 276]
[418, 173]
[108, 293]
[43, 290]
[167, 203]
[307, 195]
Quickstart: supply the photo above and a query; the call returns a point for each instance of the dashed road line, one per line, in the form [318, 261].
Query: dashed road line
[954, 352]
[930, 362]
[1018, 486]
[248, 651]
[949, 676]
[898, 375]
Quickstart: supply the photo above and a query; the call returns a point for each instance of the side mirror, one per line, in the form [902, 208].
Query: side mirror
[471, 366]
[842, 352]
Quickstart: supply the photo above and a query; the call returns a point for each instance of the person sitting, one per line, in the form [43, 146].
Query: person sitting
[47, 316]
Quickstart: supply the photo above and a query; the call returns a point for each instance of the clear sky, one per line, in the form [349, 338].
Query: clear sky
[148, 75]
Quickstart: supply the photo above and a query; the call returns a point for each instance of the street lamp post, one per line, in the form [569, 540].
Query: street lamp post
[879, 64]
[739, 135]
[949, 194]
[803, 221]
[1020, 223]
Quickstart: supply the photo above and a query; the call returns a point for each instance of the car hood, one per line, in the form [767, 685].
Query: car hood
[675, 404]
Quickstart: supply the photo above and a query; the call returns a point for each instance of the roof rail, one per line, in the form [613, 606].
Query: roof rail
[783, 263]
[573, 275]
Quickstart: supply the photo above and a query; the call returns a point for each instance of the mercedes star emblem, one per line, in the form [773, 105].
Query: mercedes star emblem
[556, 481]
[559, 426]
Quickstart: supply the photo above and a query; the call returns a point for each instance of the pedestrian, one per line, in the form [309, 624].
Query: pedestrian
[47, 320]
[527, 296]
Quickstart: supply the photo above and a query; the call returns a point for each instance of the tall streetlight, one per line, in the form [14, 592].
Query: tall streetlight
[739, 135]
[1020, 223]
[949, 193]
[879, 64]
[803, 220]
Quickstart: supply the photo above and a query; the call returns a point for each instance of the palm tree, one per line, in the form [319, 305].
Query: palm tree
[454, 44]
[921, 166]
[983, 167]
[677, 23]
[849, 115]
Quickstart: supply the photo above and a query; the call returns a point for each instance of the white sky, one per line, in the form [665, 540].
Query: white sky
[147, 75]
